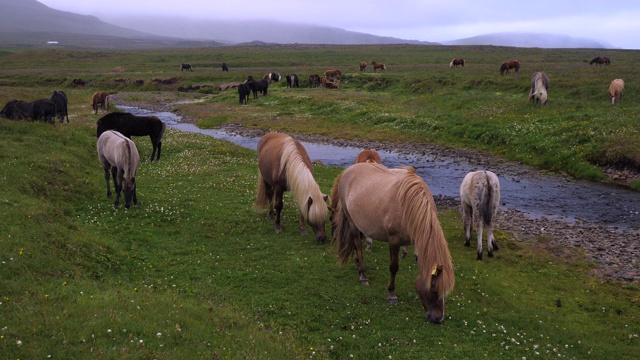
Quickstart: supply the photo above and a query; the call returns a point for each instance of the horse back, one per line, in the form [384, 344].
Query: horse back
[118, 151]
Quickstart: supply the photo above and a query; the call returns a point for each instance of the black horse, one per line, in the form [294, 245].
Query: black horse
[131, 125]
[225, 67]
[243, 92]
[292, 81]
[41, 109]
[60, 99]
[186, 67]
[261, 86]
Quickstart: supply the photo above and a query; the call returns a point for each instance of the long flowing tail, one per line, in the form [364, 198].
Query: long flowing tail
[343, 235]
[262, 201]
[487, 201]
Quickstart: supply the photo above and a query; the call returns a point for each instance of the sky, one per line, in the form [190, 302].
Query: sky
[616, 23]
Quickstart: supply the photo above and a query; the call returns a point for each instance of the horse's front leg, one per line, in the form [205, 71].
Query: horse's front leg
[106, 178]
[392, 299]
[117, 181]
[357, 241]
[278, 206]
[466, 222]
[303, 228]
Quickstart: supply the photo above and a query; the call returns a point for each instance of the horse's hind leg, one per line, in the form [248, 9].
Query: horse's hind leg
[117, 175]
[392, 299]
[357, 241]
[467, 214]
[106, 178]
[278, 206]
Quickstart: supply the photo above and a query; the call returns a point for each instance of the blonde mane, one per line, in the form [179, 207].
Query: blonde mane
[431, 246]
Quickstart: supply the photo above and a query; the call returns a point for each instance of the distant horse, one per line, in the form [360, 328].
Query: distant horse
[314, 80]
[100, 100]
[396, 206]
[284, 164]
[15, 110]
[243, 92]
[376, 66]
[363, 66]
[480, 197]
[41, 109]
[131, 125]
[455, 62]
[260, 86]
[615, 90]
[539, 88]
[225, 67]
[292, 81]
[119, 155]
[60, 99]
[513, 64]
[272, 77]
[600, 60]
[329, 74]
[186, 67]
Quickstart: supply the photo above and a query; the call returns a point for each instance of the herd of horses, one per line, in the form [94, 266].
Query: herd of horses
[45, 110]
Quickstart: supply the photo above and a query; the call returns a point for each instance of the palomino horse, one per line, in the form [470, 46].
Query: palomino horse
[285, 165]
[455, 62]
[376, 66]
[539, 88]
[363, 66]
[600, 60]
[480, 197]
[396, 206]
[615, 90]
[119, 155]
[131, 125]
[513, 64]
[100, 99]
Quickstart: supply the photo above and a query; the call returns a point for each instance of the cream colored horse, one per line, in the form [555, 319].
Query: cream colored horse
[480, 198]
[119, 155]
[615, 90]
[539, 88]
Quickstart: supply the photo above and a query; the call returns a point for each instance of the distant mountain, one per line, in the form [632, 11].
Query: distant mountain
[530, 40]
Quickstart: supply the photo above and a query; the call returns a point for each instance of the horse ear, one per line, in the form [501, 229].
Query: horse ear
[325, 198]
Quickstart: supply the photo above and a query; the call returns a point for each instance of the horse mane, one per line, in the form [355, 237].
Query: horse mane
[302, 184]
[431, 246]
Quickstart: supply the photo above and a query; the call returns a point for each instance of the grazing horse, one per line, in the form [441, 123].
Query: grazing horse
[376, 66]
[363, 66]
[100, 99]
[330, 74]
[480, 197]
[314, 80]
[186, 67]
[225, 67]
[59, 98]
[292, 81]
[15, 110]
[396, 206]
[261, 86]
[539, 88]
[513, 64]
[41, 109]
[600, 60]
[272, 77]
[131, 125]
[615, 90]
[243, 92]
[455, 62]
[119, 155]
[284, 164]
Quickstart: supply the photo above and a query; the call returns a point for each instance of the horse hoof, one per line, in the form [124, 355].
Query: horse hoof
[468, 243]
[304, 232]
[278, 230]
[393, 301]
[365, 282]
[490, 254]
[479, 257]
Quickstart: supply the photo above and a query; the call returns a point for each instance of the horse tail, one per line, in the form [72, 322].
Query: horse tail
[451, 63]
[343, 235]
[486, 208]
[262, 200]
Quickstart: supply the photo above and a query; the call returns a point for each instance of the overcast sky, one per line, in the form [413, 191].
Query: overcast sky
[613, 22]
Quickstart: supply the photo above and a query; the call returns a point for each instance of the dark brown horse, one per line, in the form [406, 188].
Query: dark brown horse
[100, 100]
[284, 164]
[456, 62]
[314, 80]
[377, 66]
[513, 64]
[600, 60]
[131, 125]
[363, 66]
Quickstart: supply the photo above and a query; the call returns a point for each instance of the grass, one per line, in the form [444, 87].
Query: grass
[195, 272]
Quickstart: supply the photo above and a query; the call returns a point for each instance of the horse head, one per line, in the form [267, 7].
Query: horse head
[129, 189]
[317, 216]
[431, 300]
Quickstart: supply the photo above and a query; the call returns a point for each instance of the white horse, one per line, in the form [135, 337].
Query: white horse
[480, 197]
[119, 155]
[539, 88]
[615, 90]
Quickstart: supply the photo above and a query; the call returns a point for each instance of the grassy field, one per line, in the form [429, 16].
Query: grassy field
[195, 272]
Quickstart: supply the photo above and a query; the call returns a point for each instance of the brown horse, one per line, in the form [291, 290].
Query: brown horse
[363, 66]
[396, 206]
[330, 74]
[100, 99]
[480, 197]
[285, 165]
[539, 88]
[119, 155]
[513, 64]
[600, 60]
[455, 62]
[376, 66]
[615, 90]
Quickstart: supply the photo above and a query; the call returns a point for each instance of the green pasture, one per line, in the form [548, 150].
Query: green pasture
[195, 272]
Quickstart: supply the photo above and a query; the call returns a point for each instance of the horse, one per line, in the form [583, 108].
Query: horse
[131, 125]
[41, 109]
[59, 98]
[100, 99]
[480, 197]
[539, 88]
[119, 155]
[368, 155]
[284, 164]
[314, 80]
[261, 86]
[455, 62]
[225, 67]
[396, 206]
[615, 90]
[363, 66]
[513, 64]
[332, 73]
[243, 92]
[292, 81]
[272, 77]
[15, 110]
[600, 60]
[186, 67]
[376, 66]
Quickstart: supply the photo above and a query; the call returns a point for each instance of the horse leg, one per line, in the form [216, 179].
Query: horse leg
[369, 243]
[357, 242]
[278, 206]
[117, 180]
[491, 241]
[479, 231]
[392, 299]
[303, 228]
[106, 178]
[467, 214]
[159, 149]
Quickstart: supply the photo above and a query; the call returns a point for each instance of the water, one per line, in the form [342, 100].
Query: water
[535, 194]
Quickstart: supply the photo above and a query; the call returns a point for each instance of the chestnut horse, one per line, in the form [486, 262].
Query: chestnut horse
[455, 62]
[480, 197]
[396, 206]
[100, 99]
[329, 74]
[284, 164]
[119, 155]
[363, 66]
[513, 64]
[378, 66]
[615, 90]
[539, 88]
[600, 60]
